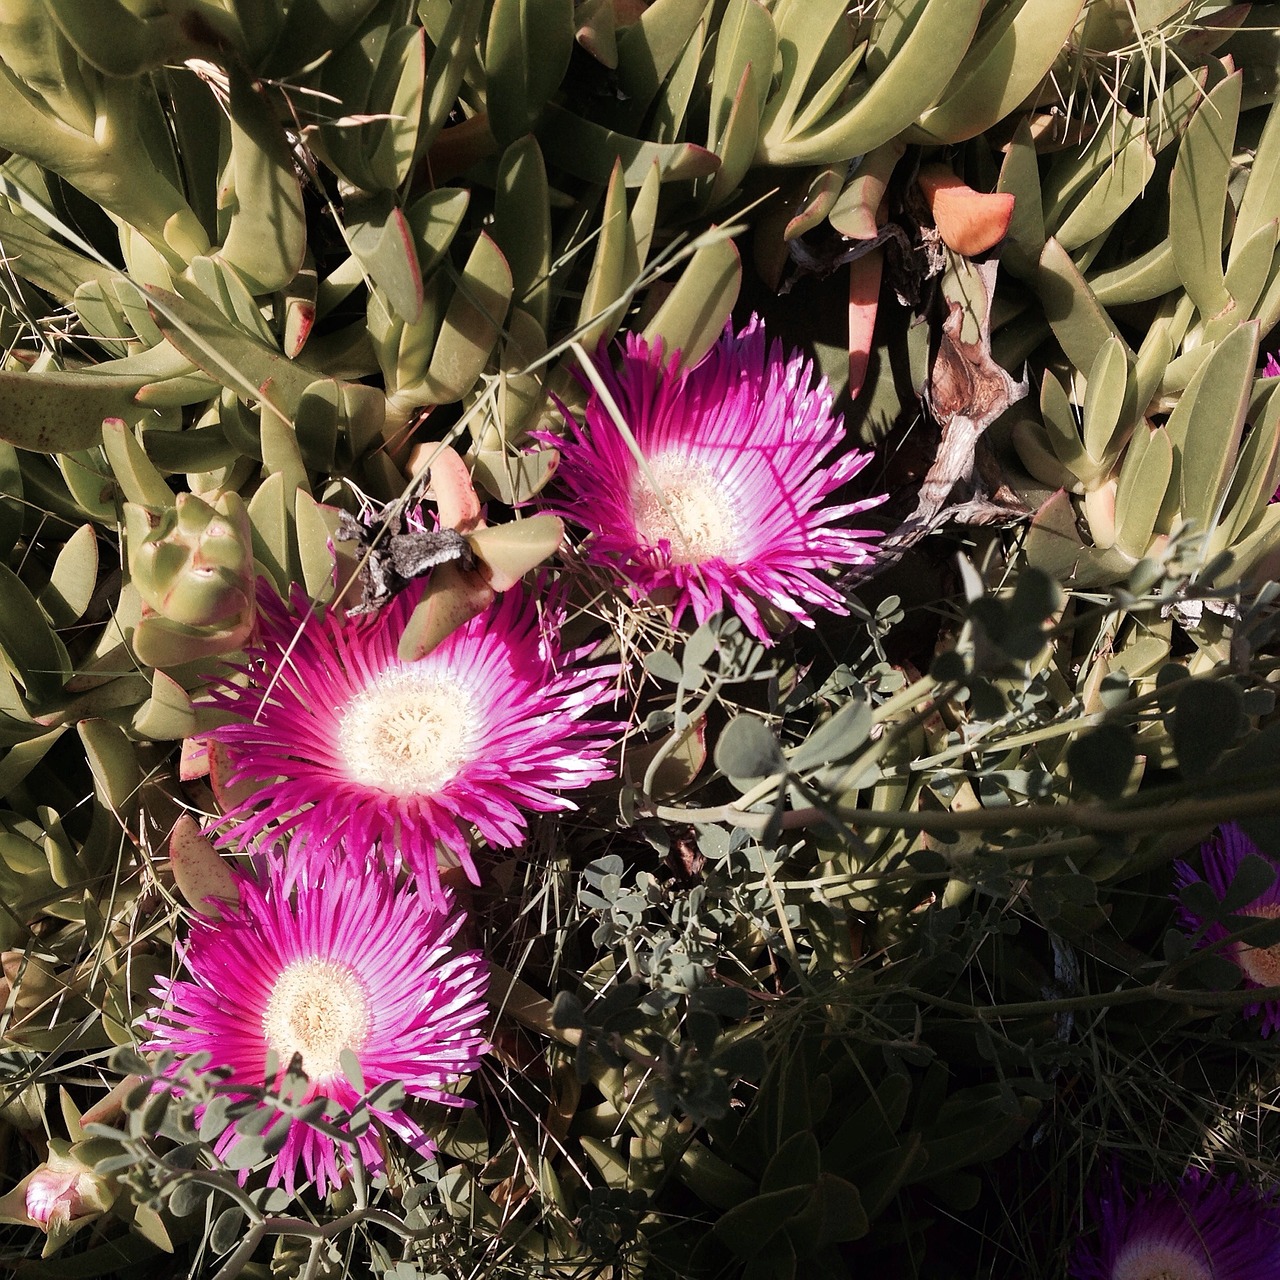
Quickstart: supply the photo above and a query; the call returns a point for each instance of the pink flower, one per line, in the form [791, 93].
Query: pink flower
[49, 1191]
[1205, 1228]
[727, 509]
[1221, 856]
[351, 745]
[317, 964]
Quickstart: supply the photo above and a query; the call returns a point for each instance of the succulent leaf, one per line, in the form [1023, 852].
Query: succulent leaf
[1014, 50]
[236, 359]
[1198, 196]
[912, 58]
[522, 226]
[694, 313]
[649, 49]
[382, 239]
[598, 316]
[29, 649]
[138, 479]
[266, 238]
[589, 151]
[471, 324]
[117, 41]
[526, 53]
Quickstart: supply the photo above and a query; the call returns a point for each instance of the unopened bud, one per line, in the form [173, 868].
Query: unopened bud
[51, 1192]
[193, 564]
[59, 1193]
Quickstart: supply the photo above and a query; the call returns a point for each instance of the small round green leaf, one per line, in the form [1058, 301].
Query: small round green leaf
[1100, 761]
[1206, 719]
[748, 749]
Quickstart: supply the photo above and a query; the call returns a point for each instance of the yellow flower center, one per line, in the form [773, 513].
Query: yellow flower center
[691, 510]
[1260, 964]
[316, 1008]
[1151, 1260]
[409, 732]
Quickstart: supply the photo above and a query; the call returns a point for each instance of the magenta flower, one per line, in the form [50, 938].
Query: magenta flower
[1221, 856]
[728, 508]
[350, 745]
[343, 959]
[1205, 1228]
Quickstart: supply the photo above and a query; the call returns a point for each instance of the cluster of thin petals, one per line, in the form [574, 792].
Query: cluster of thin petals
[347, 745]
[1221, 857]
[708, 487]
[356, 776]
[318, 965]
[1206, 1227]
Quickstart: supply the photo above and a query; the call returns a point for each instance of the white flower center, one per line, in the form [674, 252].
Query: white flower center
[316, 1008]
[409, 732]
[692, 510]
[1260, 964]
[1153, 1260]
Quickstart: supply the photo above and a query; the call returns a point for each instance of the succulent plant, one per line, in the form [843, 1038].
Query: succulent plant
[278, 270]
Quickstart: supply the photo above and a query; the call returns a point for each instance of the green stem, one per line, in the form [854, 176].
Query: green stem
[1099, 1000]
[1016, 856]
[1156, 814]
[678, 738]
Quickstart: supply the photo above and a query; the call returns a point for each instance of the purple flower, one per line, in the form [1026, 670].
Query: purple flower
[727, 508]
[317, 964]
[350, 745]
[1221, 856]
[1205, 1228]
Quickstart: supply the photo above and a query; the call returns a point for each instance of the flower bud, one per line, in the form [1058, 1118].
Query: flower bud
[51, 1191]
[193, 567]
[60, 1195]
[193, 564]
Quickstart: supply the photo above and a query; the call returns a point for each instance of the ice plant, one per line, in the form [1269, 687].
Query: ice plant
[349, 743]
[1205, 1228]
[713, 495]
[1221, 856]
[343, 958]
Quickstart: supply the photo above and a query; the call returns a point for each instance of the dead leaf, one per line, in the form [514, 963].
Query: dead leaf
[970, 222]
[967, 392]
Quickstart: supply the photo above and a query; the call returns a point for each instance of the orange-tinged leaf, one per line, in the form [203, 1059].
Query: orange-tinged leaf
[200, 873]
[864, 297]
[452, 598]
[457, 505]
[194, 760]
[970, 222]
[229, 795]
[459, 147]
